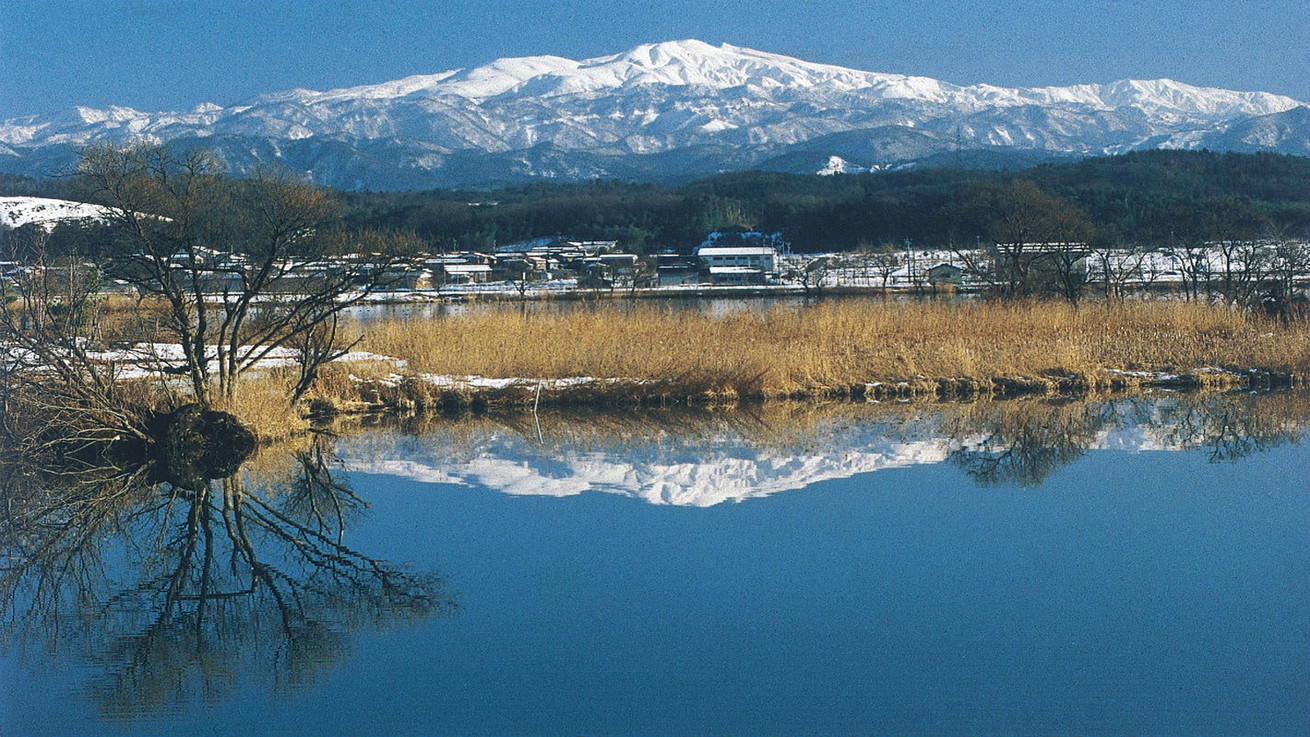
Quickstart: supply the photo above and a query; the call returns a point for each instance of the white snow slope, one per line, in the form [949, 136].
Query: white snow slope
[16, 212]
[657, 98]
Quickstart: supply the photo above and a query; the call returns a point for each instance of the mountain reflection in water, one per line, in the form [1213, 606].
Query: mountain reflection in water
[176, 597]
[185, 594]
[707, 457]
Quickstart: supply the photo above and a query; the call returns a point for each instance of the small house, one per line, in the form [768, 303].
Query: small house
[465, 273]
[944, 273]
[675, 269]
[407, 279]
[751, 257]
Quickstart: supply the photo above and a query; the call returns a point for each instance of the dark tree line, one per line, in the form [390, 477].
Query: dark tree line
[1158, 198]
[1155, 197]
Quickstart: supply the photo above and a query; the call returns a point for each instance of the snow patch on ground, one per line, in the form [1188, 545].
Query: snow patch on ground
[475, 383]
[15, 212]
[153, 360]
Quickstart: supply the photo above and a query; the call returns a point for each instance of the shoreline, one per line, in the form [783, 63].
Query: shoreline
[400, 394]
[838, 350]
[834, 350]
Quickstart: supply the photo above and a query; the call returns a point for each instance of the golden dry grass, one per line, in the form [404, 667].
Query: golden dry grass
[262, 406]
[836, 345]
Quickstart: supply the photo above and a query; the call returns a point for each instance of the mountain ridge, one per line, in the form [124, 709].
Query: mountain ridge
[555, 118]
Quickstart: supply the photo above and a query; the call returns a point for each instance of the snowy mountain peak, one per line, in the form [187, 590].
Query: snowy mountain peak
[516, 119]
[504, 75]
[1167, 94]
[664, 53]
[113, 115]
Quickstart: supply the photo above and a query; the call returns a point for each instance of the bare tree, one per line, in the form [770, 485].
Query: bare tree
[49, 378]
[1244, 265]
[979, 265]
[642, 274]
[810, 272]
[243, 268]
[1116, 268]
[886, 263]
[1289, 265]
[1215, 247]
[1032, 233]
[1069, 268]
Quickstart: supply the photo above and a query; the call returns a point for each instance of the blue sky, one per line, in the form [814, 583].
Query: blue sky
[172, 54]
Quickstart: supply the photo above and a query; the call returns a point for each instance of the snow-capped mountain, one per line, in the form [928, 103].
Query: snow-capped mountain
[669, 110]
[711, 460]
[700, 472]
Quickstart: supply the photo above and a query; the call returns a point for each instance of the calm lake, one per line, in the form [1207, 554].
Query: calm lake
[1027, 567]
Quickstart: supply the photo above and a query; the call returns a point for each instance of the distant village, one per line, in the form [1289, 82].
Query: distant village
[559, 265]
[759, 260]
[747, 261]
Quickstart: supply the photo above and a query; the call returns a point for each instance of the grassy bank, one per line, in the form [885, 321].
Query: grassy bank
[840, 348]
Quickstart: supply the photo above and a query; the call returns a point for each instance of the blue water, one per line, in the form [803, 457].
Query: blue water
[1134, 592]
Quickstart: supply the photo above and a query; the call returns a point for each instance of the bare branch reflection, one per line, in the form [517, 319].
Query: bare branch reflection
[1233, 426]
[179, 594]
[190, 592]
[1024, 442]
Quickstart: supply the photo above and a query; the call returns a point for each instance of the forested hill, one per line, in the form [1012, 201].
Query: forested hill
[1145, 198]
[1141, 198]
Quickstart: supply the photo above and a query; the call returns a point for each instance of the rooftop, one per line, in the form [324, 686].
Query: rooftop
[736, 251]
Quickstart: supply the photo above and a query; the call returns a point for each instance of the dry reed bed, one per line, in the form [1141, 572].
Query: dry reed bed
[841, 348]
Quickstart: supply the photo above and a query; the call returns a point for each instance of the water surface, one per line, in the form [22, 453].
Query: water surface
[1031, 567]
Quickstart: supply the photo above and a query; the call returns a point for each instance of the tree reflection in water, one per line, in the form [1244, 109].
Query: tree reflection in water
[188, 593]
[1028, 441]
[1233, 426]
[179, 594]
[1023, 443]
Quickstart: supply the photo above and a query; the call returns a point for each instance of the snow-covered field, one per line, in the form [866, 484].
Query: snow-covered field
[16, 212]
